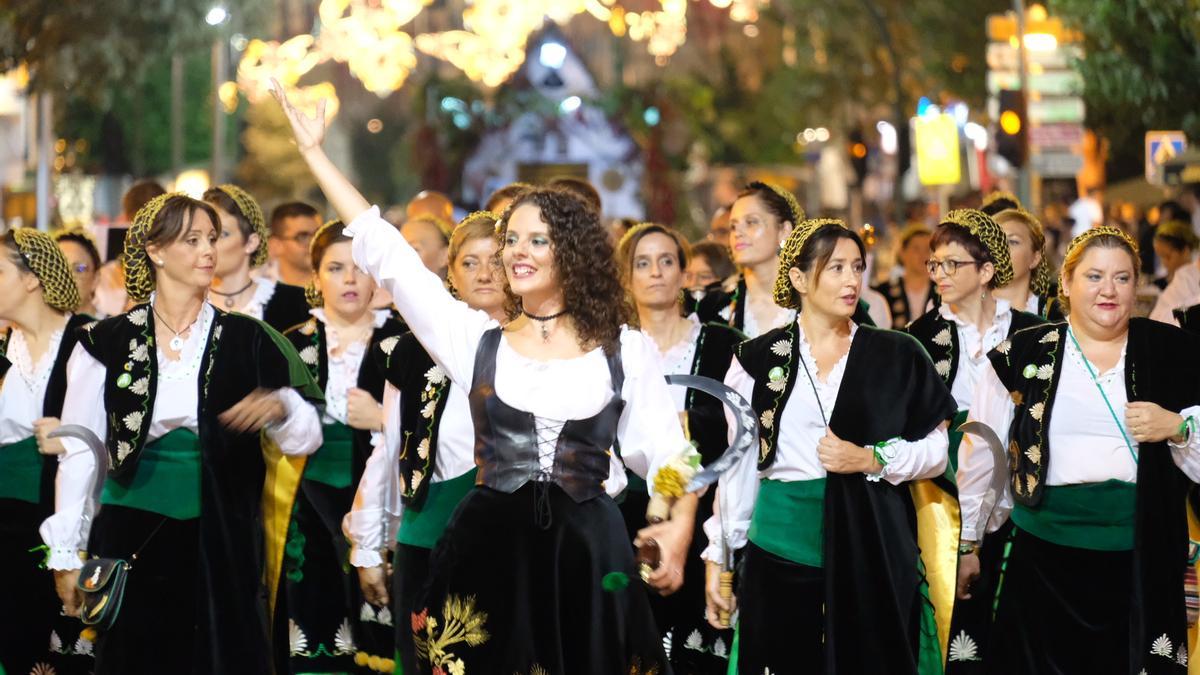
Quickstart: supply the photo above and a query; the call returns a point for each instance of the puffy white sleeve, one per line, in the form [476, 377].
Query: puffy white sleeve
[300, 431]
[649, 430]
[994, 407]
[737, 489]
[447, 328]
[374, 518]
[915, 460]
[66, 532]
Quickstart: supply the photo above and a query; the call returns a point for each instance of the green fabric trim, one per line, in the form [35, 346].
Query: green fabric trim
[956, 437]
[298, 373]
[929, 647]
[21, 471]
[733, 651]
[424, 527]
[330, 464]
[789, 519]
[1093, 516]
[165, 480]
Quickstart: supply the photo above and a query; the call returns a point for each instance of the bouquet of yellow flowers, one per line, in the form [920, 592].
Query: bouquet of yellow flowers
[670, 482]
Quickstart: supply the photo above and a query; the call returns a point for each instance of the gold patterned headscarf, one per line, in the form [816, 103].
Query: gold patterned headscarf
[797, 213]
[43, 257]
[139, 276]
[1103, 230]
[252, 212]
[984, 228]
[1040, 282]
[311, 292]
[785, 295]
[999, 196]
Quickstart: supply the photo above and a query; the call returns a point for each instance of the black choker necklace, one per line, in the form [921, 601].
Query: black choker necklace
[230, 297]
[542, 320]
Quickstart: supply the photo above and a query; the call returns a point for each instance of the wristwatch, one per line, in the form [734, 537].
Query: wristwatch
[967, 547]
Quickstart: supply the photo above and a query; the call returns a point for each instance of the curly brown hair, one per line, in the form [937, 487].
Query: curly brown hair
[587, 266]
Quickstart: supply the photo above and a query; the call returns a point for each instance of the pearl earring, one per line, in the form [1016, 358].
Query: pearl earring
[160, 263]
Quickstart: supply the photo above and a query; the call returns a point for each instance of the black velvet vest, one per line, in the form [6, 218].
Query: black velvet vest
[939, 336]
[286, 308]
[424, 391]
[506, 449]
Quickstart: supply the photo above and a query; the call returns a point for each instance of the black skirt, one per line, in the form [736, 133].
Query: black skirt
[971, 623]
[155, 629]
[506, 595]
[781, 625]
[1062, 610]
[410, 572]
[320, 588]
[30, 604]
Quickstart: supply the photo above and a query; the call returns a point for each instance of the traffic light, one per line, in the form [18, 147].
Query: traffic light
[858, 155]
[1012, 130]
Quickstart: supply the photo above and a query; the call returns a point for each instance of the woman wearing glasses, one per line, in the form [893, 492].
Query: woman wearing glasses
[970, 260]
[242, 248]
[1098, 415]
[83, 259]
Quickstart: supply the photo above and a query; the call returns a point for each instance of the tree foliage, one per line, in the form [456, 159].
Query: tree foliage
[1139, 70]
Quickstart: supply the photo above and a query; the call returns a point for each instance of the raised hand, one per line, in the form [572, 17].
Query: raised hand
[308, 131]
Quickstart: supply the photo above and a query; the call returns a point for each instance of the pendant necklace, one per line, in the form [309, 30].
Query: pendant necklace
[230, 298]
[542, 322]
[176, 342]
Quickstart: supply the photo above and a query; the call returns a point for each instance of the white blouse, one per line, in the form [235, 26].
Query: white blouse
[1181, 293]
[264, 288]
[973, 349]
[750, 322]
[176, 405]
[343, 367]
[23, 389]
[553, 391]
[374, 518]
[678, 359]
[802, 424]
[1088, 446]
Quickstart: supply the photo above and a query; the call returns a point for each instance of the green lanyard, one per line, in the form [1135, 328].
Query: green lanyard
[1112, 412]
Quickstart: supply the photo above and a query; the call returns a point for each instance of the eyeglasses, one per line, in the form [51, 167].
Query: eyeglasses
[950, 266]
[302, 238]
[80, 268]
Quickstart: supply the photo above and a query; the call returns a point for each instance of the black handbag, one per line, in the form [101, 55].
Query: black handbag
[102, 583]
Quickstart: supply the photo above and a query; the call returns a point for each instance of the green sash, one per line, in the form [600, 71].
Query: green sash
[955, 440]
[789, 519]
[166, 479]
[21, 471]
[1094, 516]
[424, 527]
[330, 464]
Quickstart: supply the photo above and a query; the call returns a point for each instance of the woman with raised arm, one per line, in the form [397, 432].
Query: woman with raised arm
[653, 259]
[37, 297]
[425, 465]
[1098, 417]
[534, 568]
[196, 498]
[336, 344]
[241, 249]
[849, 415]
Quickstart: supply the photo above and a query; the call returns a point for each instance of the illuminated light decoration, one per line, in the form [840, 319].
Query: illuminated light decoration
[472, 54]
[570, 104]
[821, 134]
[368, 38]
[976, 134]
[216, 16]
[74, 194]
[652, 116]
[858, 150]
[228, 94]
[192, 182]
[375, 125]
[286, 62]
[552, 54]
[1041, 42]
[888, 140]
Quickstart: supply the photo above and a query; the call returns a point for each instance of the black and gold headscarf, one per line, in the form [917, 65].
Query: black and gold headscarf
[43, 257]
[311, 292]
[984, 228]
[785, 295]
[252, 212]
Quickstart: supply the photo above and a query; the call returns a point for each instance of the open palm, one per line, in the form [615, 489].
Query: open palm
[309, 131]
